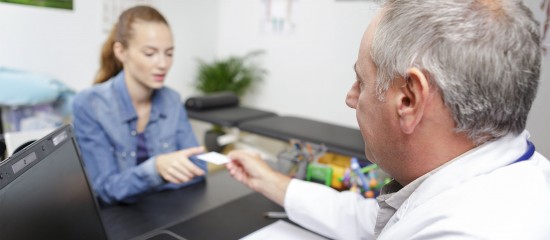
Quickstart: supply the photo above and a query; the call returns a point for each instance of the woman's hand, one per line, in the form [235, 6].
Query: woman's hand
[176, 167]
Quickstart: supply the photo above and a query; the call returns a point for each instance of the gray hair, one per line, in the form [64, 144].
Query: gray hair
[484, 57]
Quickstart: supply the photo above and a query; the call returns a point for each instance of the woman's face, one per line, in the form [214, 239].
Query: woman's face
[148, 56]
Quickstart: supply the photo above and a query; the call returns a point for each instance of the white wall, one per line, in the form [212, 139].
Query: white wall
[538, 122]
[195, 28]
[66, 44]
[310, 70]
[60, 43]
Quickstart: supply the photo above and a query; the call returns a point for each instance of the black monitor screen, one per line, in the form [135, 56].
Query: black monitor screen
[51, 199]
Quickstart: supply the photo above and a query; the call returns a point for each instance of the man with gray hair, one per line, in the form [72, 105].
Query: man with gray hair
[442, 94]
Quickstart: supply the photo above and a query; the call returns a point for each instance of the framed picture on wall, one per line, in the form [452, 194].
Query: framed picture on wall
[63, 4]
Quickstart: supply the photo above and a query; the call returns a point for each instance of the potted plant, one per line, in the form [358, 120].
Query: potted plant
[236, 74]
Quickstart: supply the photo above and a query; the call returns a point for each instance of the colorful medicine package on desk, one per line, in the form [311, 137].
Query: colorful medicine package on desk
[366, 181]
[313, 163]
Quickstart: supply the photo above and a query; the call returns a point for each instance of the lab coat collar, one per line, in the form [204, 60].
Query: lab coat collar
[480, 160]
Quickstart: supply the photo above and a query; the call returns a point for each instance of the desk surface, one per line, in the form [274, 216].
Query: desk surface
[233, 220]
[220, 208]
[164, 209]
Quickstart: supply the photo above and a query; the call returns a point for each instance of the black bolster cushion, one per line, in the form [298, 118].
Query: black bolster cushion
[212, 101]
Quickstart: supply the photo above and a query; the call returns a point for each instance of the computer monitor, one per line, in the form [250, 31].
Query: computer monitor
[45, 194]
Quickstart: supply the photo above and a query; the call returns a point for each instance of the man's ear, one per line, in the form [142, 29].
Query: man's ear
[412, 99]
[120, 51]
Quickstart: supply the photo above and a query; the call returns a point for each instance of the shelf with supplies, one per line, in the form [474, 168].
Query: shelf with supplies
[312, 162]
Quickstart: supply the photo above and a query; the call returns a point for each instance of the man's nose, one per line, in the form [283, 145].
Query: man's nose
[353, 96]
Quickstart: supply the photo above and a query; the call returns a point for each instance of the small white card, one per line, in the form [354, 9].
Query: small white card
[214, 157]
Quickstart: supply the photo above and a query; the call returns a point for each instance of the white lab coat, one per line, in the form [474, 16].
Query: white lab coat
[479, 195]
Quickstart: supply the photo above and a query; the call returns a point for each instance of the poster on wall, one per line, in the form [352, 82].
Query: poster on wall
[113, 8]
[63, 4]
[279, 17]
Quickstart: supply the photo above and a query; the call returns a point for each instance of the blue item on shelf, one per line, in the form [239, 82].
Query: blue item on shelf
[32, 101]
[21, 88]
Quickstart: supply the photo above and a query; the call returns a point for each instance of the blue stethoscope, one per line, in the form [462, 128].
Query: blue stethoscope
[528, 154]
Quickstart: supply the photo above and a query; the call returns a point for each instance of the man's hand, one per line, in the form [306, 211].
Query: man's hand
[176, 167]
[251, 170]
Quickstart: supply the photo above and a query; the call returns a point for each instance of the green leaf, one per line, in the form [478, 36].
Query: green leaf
[235, 73]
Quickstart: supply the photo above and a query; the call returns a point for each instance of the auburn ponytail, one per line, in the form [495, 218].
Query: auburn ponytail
[109, 64]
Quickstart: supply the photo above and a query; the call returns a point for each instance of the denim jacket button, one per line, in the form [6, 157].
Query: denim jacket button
[133, 132]
[165, 145]
[133, 154]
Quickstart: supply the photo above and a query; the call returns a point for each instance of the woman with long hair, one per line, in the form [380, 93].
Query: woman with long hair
[133, 132]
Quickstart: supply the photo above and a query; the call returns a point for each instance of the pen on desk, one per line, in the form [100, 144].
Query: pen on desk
[275, 215]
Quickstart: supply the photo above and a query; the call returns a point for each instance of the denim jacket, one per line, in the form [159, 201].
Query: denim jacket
[105, 128]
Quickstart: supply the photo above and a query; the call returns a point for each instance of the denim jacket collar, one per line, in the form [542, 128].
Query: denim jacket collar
[158, 108]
